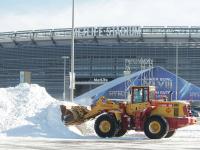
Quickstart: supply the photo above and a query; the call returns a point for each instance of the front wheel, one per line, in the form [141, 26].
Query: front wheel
[155, 127]
[105, 126]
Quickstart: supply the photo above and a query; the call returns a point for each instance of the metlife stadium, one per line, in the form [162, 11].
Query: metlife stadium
[101, 54]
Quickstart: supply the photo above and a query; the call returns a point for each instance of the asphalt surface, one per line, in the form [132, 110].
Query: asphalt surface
[95, 143]
[183, 139]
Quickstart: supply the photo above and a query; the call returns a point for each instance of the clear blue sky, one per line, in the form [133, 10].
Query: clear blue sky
[40, 14]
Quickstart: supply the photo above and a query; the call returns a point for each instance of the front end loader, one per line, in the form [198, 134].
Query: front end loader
[156, 118]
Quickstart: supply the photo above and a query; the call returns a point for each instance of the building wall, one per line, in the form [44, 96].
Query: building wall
[101, 59]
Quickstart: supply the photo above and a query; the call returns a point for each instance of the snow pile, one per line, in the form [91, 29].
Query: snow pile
[28, 110]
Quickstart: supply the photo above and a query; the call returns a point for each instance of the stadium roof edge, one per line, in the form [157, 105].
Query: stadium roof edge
[81, 27]
[110, 32]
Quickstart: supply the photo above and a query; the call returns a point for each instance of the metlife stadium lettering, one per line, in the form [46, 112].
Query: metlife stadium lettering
[123, 31]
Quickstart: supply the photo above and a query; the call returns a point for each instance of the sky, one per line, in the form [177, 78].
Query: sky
[16, 15]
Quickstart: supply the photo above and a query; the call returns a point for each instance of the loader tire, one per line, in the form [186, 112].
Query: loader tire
[170, 134]
[120, 132]
[105, 126]
[155, 127]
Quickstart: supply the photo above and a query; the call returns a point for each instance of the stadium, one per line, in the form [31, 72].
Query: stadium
[101, 54]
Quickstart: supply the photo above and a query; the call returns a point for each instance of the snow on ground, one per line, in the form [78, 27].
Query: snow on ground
[29, 111]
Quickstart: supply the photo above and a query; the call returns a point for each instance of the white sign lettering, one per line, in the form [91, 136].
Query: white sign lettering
[100, 80]
[124, 31]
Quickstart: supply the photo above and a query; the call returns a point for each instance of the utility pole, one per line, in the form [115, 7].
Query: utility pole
[176, 70]
[72, 74]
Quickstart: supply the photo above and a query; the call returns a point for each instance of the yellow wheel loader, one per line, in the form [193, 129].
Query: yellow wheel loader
[156, 118]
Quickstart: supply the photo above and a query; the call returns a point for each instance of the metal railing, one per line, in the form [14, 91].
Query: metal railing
[109, 32]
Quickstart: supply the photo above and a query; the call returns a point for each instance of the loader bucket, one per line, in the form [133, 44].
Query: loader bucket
[74, 115]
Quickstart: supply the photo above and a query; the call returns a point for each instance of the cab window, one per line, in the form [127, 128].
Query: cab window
[140, 95]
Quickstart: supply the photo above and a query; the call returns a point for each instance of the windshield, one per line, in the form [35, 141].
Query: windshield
[140, 95]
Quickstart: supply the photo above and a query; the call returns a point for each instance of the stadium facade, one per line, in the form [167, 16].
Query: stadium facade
[101, 54]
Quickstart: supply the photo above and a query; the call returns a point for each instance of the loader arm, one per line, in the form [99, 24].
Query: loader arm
[102, 105]
[79, 114]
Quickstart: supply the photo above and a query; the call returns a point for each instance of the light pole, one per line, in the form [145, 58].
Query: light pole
[72, 75]
[64, 87]
[177, 70]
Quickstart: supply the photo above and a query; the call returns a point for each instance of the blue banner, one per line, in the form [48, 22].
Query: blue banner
[164, 81]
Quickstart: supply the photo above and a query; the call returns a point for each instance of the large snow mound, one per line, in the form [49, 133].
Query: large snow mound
[28, 110]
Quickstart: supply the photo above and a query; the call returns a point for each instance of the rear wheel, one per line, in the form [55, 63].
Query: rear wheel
[170, 134]
[105, 126]
[155, 127]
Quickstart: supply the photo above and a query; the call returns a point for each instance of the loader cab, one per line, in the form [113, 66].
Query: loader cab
[140, 94]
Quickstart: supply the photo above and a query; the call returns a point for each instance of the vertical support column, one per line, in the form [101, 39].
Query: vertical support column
[64, 78]
[176, 70]
[64, 86]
